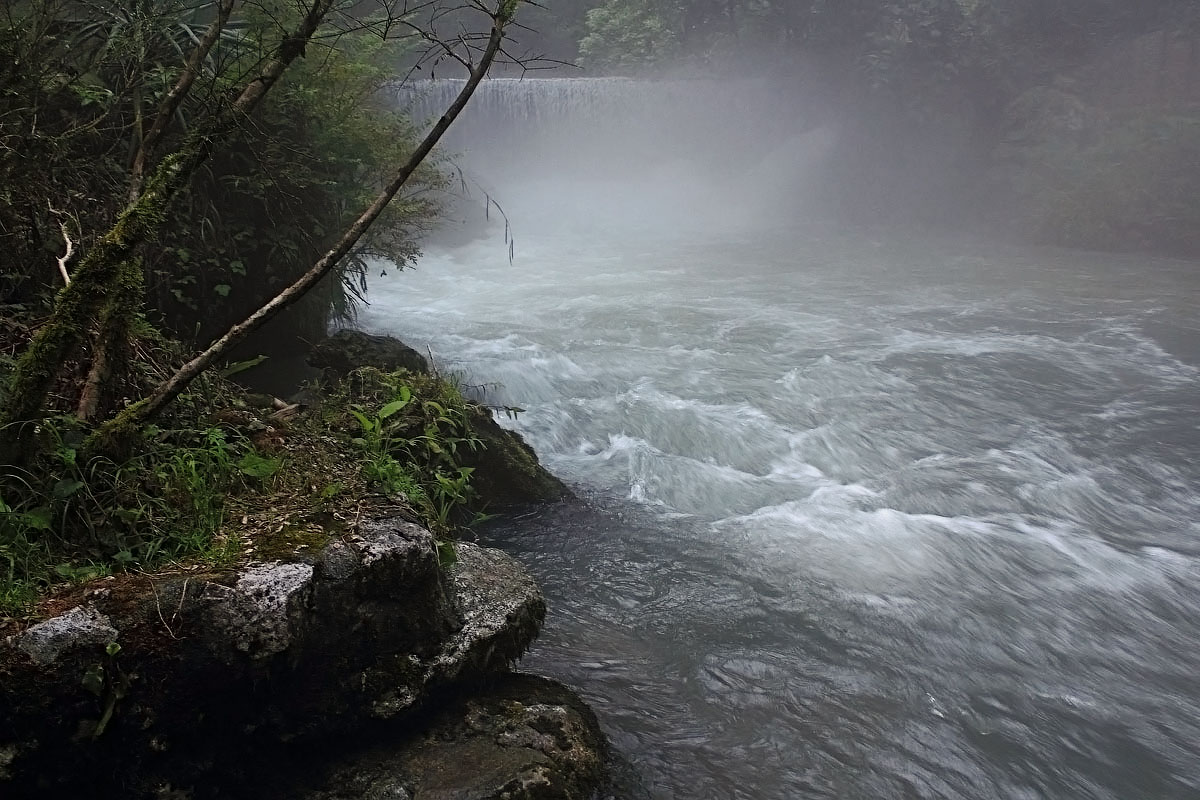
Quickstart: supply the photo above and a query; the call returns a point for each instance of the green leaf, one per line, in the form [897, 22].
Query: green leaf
[256, 466]
[242, 366]
[93, 679]
[363, 420]
[112, 648]
[65, 488]
[391, 408]
[40, 519]
[222, 289]
[447, 553]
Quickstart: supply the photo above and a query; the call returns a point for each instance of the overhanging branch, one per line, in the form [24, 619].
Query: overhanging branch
[169, 389]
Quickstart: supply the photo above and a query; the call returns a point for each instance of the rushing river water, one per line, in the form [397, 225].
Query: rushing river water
[862, 514]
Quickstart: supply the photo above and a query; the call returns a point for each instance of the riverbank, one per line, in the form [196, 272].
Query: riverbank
[355, 624]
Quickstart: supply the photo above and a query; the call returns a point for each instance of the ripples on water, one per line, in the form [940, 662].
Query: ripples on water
[862, 519]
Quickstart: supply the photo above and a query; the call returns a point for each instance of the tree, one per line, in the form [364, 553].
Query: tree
[105, 288]
[627, 36]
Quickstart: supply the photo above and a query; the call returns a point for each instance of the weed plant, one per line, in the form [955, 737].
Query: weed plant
[376, 443]
[68, 519]
[411, 430]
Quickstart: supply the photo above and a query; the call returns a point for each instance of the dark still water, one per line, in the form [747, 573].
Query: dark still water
[863, 514]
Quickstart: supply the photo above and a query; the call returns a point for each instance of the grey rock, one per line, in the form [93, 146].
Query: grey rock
[80, 628]
[507, 471]
[348, 350]
[216, 667]
[498, 607]
[523, 738]
[501, 606]
[264, 611]
[338, 562]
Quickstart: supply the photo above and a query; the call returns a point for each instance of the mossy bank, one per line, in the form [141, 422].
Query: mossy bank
[339, 643]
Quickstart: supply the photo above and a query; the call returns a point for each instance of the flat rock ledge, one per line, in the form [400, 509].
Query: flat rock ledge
[191, 686]
[521, 737]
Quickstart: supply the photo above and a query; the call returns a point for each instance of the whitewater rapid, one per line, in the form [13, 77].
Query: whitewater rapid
[863, 514]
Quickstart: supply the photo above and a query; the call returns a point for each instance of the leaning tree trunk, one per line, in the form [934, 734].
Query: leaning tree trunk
[97, 278]
[115, 433]
[110, 353]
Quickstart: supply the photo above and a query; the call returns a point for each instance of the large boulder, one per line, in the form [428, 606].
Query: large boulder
[521, 738]
[347, 350]
[147, 682]
[507, 470]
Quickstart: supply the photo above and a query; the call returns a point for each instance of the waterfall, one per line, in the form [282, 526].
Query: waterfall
[677, 145]
[706, 119]
[541, 102]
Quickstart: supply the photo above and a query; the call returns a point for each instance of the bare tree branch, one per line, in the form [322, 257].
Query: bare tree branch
[169, 389]
[66, 257]
[170, 104]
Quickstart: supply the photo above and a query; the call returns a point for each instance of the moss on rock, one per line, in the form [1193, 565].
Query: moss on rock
[507, 471]
[348, 350]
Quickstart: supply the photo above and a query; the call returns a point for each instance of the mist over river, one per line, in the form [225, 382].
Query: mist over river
[863, 513]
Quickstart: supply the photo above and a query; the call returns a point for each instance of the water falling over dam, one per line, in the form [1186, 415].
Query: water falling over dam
[693, 145]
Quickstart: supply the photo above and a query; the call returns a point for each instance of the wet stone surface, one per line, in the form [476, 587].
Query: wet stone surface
[215, 673]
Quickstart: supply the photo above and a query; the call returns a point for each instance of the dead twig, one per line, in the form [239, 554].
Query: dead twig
[66, 257]
[158, 609]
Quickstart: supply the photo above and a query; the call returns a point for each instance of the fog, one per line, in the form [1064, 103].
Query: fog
[866, 506]
[672, 154]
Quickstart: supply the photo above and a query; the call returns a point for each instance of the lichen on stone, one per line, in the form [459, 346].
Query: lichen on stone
[258, 612]
[8, 754]
[81, 627]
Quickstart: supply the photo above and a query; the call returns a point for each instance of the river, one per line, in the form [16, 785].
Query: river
[862, 513]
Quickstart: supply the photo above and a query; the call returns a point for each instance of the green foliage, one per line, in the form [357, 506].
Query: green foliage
[627, 37]
[109, 684]
[81, 83]
[889, 39]
[256, 466]
[276, 196]
[412, 430]
[1135, 185]
[77, 520]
